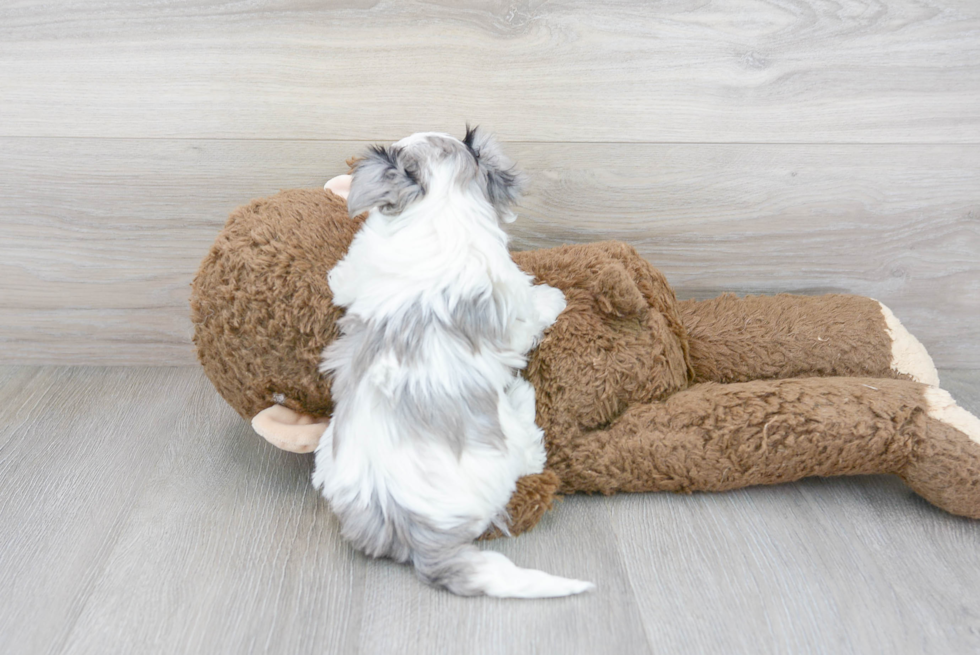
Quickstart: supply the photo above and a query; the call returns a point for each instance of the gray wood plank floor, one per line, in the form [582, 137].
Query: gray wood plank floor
[139, 514]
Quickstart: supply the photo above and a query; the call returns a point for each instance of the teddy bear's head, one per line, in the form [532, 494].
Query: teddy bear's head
[261, 306]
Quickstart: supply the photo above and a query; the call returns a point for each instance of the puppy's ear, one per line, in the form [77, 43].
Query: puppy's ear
[503, 182]
[383, 178]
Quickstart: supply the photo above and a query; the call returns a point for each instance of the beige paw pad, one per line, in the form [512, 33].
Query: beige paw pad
[908, 355]
[941, 406]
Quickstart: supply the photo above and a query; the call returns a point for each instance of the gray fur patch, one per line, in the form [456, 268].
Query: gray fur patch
[392, 177]
[479, 321]
[466, 413]
[501, 180]
[441, 558]
[386, 178]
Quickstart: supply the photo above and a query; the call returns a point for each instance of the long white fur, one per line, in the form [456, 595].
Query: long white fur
[440, 250]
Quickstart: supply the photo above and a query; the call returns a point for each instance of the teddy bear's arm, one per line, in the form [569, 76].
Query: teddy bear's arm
[714, 437]
[735, 339]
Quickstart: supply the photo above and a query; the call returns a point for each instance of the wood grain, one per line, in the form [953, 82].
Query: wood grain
[227, 550]
[576, 540]
[75, 448]
[138, 513]
[103, 236]
[816, 566]
[892, 71]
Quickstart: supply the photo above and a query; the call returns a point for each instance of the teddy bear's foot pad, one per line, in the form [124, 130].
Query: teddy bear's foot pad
[942, 407]
[909, 356]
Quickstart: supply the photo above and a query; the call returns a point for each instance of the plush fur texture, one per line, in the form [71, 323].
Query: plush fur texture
[432, 427]
[635, 391]
[262, 290]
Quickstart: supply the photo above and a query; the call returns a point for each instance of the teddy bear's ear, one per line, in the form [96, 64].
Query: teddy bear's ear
[339, 186]
[385, 178]
[617, 293]
[503, 182]
[288, 429]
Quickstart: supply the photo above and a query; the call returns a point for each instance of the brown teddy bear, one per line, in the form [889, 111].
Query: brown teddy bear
[635, 390]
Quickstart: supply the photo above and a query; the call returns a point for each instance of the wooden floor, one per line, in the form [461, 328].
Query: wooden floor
[139, 514]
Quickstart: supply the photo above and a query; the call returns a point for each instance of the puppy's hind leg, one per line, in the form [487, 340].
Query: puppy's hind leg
[517, 412]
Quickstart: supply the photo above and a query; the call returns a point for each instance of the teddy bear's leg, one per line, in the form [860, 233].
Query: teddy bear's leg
[735, 339]
[945, 469]
[535, 495]
[713, 437]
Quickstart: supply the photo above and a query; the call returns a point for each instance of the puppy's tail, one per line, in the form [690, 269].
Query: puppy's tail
[470, 571]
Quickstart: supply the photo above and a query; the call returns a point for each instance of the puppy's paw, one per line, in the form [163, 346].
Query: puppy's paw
[525, 434]
[535, 456]
[549, 303]
[344, 283]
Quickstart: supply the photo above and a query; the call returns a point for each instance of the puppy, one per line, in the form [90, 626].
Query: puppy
[432, 425]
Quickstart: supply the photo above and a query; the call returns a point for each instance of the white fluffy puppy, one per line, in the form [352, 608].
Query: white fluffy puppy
[432, 425]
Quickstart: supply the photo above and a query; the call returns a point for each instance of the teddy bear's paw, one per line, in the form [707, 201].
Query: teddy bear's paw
[941, 406]
[909, 356]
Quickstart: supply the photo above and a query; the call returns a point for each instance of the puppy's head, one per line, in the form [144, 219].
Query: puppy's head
[390, 178]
